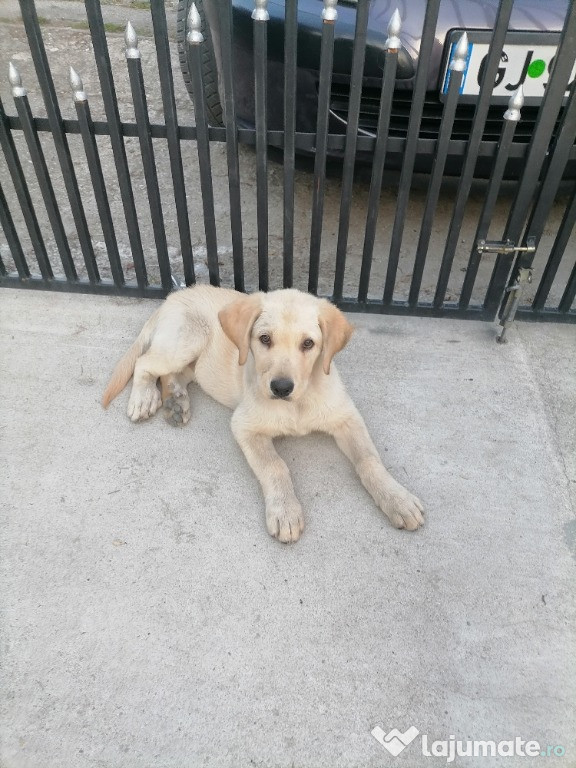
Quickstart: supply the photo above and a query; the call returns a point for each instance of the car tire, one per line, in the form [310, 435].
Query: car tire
[209, 69]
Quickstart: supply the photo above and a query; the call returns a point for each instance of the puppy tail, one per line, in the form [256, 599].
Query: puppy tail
[125, 366]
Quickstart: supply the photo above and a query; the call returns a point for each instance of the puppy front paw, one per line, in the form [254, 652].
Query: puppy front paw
[403, 509]
[284, 519]
[144, 402]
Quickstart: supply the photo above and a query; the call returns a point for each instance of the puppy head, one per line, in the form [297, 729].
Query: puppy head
[287, 332]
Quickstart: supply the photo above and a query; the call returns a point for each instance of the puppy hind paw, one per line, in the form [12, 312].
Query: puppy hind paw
[176, 409]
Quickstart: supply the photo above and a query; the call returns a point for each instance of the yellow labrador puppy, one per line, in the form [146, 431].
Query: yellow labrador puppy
[267, 356]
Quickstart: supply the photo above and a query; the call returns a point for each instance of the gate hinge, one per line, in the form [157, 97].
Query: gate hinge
[493, 246]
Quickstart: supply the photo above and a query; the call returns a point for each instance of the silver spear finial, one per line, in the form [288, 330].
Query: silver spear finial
[77, 86]
[194, 36]
[131, 40]
[330, 13]
[15, 81]
[458, 63]
[260, 12]
[393, 42]
[515, 105]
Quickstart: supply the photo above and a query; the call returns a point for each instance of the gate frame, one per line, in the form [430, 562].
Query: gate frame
[526, 220]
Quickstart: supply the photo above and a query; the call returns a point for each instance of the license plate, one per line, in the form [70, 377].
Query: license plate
[526, 60]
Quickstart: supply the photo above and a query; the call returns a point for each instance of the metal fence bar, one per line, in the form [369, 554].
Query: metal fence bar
[116, 131]
[225, 14]
[329, 16]
[162, 43]
[457, 68]
[12, 239]
[569, 293]
[478, 123]
[23, 195]
[556, 254]
[91, 265]
[103, 288]
[194, 39]
[134, 62]
[418, 95]
[290, 53]
[42, 173]
[353, 121]
[36, 43]
[304, 141]
[98, 183]
[511, 118]
[546, 316]
[260, 18]
[8, 225]
[537, 151]
[401, 308]
[393, 45]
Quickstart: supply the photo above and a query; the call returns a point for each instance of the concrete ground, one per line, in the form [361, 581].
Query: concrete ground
[148, 620]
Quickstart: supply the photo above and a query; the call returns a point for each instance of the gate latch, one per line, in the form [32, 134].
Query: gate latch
[514, 291]
[493, 246]
[523, 277]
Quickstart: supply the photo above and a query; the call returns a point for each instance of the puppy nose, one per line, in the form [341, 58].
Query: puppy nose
[281, 387]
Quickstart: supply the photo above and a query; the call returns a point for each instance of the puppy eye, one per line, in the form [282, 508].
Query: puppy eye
[265, 339]
[307, 344]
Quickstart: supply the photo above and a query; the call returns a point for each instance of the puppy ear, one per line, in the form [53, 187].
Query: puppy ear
[336, 332]
[237, 320]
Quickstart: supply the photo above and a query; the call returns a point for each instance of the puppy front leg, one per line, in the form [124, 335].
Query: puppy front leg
[284, 518]
[402, 508]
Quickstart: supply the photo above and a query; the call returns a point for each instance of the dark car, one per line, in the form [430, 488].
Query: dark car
[531, 44]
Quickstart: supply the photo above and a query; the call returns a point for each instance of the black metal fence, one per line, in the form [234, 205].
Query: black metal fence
[381, 270]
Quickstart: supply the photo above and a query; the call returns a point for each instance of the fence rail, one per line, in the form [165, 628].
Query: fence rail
[368, 274]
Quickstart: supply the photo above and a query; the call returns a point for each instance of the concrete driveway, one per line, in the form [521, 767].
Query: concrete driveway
[148, 620]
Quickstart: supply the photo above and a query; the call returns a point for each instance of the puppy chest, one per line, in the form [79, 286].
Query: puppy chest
[289, 420]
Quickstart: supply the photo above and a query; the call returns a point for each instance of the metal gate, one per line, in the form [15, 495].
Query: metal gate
[519, 271]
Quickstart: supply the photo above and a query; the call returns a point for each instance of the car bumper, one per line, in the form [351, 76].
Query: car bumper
[477, 15]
